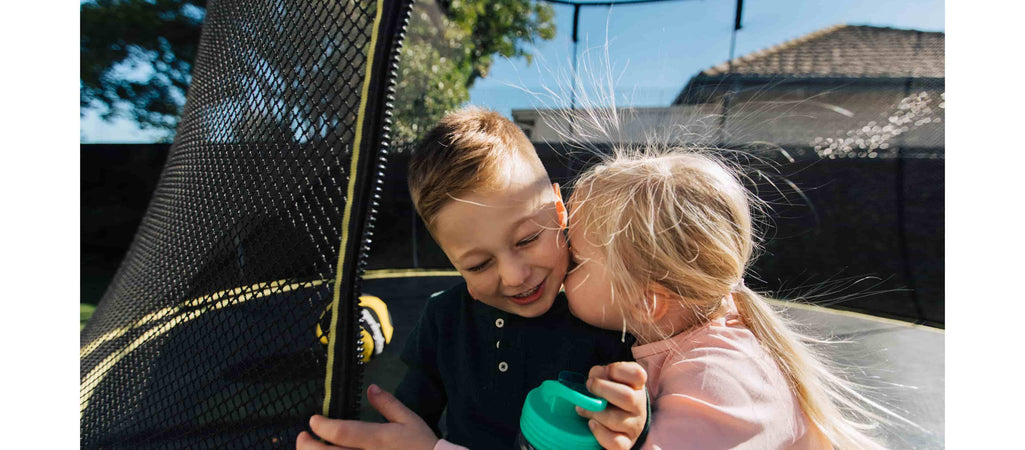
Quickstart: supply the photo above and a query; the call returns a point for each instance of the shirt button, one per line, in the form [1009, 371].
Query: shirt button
[498, 344]
[499, 323]
[502, 366]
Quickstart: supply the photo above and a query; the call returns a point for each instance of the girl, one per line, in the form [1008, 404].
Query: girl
[661, 243]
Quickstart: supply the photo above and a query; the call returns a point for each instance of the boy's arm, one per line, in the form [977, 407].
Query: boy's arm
[404, 430]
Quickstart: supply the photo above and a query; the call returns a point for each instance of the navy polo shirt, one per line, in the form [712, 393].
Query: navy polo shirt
[480, 362]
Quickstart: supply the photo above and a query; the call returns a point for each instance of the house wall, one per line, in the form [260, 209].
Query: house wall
[857, 118]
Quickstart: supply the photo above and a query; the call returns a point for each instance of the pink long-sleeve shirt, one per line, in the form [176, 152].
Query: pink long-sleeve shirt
[716, 387]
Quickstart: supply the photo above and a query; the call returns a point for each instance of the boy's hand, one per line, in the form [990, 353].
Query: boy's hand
[405, 429]
[621, 422]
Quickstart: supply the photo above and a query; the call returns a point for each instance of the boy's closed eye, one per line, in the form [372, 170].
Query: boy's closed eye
[479, 267]
[521, 243]
[529, 239]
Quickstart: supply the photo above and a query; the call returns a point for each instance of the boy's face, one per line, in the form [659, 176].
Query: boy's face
[588, 288]
[508, 244]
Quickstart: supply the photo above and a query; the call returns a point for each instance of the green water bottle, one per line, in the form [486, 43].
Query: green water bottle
[549, 420]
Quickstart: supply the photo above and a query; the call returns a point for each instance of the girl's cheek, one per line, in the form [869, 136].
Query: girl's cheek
[572, 284]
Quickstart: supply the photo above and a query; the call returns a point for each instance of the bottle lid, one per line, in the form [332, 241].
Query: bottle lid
[549, 420]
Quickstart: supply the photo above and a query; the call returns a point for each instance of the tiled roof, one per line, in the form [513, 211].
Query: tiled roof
[855, 51]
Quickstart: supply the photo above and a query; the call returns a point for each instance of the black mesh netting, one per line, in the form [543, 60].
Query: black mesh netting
[206, 337]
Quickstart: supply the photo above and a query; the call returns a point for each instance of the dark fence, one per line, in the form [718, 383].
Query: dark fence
[117, 181]
[877, 220]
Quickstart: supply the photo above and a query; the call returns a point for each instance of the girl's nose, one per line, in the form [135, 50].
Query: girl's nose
[514, 271]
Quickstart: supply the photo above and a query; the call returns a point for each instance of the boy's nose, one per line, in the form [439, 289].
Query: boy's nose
[514, 272]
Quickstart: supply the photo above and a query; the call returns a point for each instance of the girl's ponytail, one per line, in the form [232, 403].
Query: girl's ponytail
[827, 400]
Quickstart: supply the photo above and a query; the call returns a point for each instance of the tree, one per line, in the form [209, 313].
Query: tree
[445, 53]
[137, 56]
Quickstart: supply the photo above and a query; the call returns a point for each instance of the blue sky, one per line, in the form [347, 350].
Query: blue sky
[653, 49]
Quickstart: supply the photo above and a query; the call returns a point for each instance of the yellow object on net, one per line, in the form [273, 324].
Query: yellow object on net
[380, 310]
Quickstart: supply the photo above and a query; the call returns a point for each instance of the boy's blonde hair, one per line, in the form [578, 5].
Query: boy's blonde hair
[683, 219]
[469, 149]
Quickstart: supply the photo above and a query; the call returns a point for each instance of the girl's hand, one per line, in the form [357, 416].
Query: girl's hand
[621, 422]
[405, 429]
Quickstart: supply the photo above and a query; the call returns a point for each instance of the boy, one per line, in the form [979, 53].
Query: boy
[479, 347]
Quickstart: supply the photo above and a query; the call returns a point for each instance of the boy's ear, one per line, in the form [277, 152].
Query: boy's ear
[560, 207]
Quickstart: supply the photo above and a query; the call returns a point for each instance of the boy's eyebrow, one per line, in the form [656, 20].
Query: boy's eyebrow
[538, 210]
[468, 253]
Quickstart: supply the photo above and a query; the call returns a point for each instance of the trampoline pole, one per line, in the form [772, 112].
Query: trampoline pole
[729, 75]
[733, 36]
[574, 83]
[573, 91]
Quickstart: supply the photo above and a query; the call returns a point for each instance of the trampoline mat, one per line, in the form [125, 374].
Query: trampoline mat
[901, 363]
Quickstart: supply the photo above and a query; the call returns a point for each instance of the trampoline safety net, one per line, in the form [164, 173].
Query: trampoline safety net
[262, 219]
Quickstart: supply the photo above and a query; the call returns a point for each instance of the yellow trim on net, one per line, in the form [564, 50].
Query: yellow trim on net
[409, 273]
[221, 299]
[164, 313]
[347, 216]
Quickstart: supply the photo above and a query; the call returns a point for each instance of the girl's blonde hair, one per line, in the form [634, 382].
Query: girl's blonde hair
[683, 219]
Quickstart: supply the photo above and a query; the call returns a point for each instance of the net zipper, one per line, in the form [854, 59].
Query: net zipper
[377, 182]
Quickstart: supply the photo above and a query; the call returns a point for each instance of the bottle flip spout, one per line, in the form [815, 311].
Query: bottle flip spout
[549, 419]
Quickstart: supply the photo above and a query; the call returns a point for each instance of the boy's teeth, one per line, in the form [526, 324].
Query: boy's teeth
[528, 293]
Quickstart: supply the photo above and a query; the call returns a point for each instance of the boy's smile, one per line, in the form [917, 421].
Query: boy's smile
[525, 298]
[507, 244]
